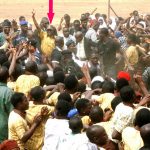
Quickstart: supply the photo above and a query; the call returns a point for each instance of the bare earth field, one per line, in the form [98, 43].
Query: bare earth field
[14, 8]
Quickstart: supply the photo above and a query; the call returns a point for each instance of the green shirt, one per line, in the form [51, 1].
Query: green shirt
[5, 109]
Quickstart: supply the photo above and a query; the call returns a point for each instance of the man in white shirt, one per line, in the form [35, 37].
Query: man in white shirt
[57, 130]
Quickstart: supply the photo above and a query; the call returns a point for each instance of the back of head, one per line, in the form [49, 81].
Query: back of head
[50, 81]
[31, 67]
[37, 93]
[145, 134]
[81, 105]
[16, 98]
[104, 31]
[65, 96]
[96, 114]
[96, 85]
[127, 94]
[81, 87]
[3, 58]
[95, 132]
[76, 125]
[108, 87]
[42, 76]
[59, 77]
[142, 117]
[120, 83]
[132, 38]
[116, 101]
[3, 74]
[56, 69]
[71, 83]
[9, 145]
[62, 108]
[42, 68]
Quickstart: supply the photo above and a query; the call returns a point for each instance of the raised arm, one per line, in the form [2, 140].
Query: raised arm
[35, 22]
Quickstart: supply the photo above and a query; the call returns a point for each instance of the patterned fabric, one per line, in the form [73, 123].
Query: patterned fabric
[132, 55]
[123, 117]
[105, 100]
[37, 139]
[47, 44]
[17, 127]
[5, 108]
[132, 141]
[25, 83]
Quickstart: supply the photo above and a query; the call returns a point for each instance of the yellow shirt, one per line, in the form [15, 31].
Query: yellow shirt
[131, 139]
[132, 55]
[37, 139]
[11, 85]
[17, 126]
[86, 120]
[47, 43]
[107, 126]
[105, 100]
[25, 83]
[52, 100]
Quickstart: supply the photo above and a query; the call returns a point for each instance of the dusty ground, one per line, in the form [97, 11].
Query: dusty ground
[14, 8]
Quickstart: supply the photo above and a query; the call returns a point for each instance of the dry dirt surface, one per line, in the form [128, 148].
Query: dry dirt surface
[12, 9]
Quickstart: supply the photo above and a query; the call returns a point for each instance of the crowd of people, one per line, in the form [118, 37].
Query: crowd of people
[81, 85]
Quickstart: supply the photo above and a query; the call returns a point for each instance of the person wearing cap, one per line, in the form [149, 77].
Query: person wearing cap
[84, 22]
[22, 35]
[47, 38]
[4, 36]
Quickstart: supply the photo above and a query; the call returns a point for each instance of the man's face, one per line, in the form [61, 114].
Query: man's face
[72, 47]
[50, 32]
[24, 28]
[84, 24]
[6, 29]
[25, 103]
[45, 24]
[94, 59]
[67, 19]
[66, 32]
[77, 25]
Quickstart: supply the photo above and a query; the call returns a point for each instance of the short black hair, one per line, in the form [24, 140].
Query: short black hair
[81, 87]
[3, 58]
[33, 43]
[75, 124]
[104, 31]
[133, 38]
[63, 107]
[96, 85]
[116, 101]
[127, 94]
[96, 114]
[108, 87]
[37, 93]
[56, 69]
[65, 96]
[31, 66]
[16, 98]
[59, 77]
[142, 117]
[42, 67]
[4, 74]
[42, 76]
[120, 83]
[71, 82]
[81, 104]
[50, 81]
